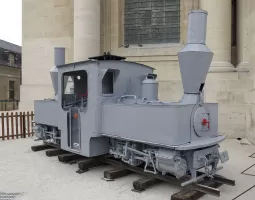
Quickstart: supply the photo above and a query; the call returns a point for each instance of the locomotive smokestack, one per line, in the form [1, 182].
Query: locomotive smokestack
[59, 59]
[195, 58]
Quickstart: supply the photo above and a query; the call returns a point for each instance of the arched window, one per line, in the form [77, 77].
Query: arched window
[151, 21]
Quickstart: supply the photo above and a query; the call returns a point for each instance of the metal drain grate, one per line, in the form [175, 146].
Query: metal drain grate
[9, 196]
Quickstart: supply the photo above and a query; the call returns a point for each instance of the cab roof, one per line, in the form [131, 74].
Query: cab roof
[104, 57]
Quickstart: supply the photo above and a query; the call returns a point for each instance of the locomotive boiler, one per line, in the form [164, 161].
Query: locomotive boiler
[107, 105]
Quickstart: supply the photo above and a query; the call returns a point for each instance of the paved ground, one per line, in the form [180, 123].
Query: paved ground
[43, 178]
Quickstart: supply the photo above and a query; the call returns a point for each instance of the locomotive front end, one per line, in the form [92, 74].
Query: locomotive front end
[177, 138]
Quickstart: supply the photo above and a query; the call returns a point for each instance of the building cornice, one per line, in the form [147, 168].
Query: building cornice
[9, 66]
[9, 76]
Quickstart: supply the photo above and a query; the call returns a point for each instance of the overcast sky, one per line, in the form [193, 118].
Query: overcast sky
[11, 21]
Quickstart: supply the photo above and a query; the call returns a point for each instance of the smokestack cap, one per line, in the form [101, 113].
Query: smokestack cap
[198, 11]
[197, 27]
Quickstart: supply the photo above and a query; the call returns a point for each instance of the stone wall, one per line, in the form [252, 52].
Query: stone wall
[250, 12]
[225, 84]
[46, 24]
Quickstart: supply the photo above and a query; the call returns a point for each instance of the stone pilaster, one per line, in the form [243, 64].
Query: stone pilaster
[86, 29]
[219, 32]
[242, 35]
[45, 24]
[251, 61]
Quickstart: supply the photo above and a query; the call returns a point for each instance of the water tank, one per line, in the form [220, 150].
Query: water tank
[150, 88]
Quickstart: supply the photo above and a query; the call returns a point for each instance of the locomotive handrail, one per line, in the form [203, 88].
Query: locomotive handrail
[69, 105]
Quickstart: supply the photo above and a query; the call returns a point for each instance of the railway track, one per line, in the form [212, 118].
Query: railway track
[190, 192]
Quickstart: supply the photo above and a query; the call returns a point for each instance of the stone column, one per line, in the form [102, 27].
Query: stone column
[219, 32]
[86, 29]
[251, 60]
[49, 25]
[242, 35]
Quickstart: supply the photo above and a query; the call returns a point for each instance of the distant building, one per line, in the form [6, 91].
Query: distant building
[10, 75]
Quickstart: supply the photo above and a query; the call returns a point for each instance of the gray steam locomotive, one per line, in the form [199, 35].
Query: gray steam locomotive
[106, 105]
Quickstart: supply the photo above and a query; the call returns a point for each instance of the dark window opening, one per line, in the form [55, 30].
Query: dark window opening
[108, 82]
[74, 89]
[11, 59]
[11, 89]
[151, 21]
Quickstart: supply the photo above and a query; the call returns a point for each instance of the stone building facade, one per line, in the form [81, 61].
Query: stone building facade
[133, 29]
[10, 75]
